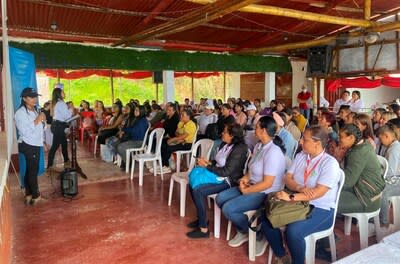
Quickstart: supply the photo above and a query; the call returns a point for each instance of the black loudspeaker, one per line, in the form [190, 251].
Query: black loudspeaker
[158, 77]
[69, 183]
[319, 60]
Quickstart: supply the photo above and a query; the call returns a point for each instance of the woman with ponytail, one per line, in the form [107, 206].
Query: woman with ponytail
[388, 137]
[266, 170]
[363, 182]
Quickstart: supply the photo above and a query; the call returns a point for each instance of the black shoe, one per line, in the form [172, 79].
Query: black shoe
[198, 234]
[193, 224]
[323, 254]
[123, 166]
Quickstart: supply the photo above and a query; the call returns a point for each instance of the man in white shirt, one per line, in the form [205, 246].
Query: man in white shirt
[344, 100]
[206, 118]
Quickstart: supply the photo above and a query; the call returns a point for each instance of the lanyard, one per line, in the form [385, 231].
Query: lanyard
[258, 153]
[308, 171]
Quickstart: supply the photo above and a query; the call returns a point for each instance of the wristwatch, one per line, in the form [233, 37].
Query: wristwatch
[291, 197]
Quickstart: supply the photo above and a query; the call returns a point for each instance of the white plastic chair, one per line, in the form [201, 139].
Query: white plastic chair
[95, 146]
[395, 201]
[132, 151]
[217, 210]
[148, 156]
[182, 177]
[363, 218]
[312, 238]
[294, 151]
[180, 153]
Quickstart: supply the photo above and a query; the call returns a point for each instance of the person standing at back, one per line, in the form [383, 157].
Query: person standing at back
[30, 125]
[60, 115]
[302, 98]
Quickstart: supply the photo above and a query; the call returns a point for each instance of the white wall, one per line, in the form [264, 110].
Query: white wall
[381, 94]
[299, 69]
[235, 91]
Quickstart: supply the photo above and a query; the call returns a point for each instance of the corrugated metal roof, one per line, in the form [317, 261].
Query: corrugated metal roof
[84, 20]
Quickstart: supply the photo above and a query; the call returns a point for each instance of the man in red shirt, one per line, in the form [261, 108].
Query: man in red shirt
[303, 98]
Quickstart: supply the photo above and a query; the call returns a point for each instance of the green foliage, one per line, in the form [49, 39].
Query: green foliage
[98, 88]
[73, 56]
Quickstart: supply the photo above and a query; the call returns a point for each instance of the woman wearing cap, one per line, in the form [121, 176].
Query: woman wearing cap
[30, 126]
[252, 118]
[60, 115]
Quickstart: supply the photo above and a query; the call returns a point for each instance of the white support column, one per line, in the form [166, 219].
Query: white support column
[322, 88]
[299, 71]
[269, 90]
[169, 87]
[235, 92]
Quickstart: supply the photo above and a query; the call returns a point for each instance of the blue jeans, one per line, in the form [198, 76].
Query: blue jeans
[234, 204]
[320, 219]
[199, 195]
[305, 113]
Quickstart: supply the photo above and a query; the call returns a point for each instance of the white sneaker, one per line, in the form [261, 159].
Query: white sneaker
[238, 240]
[166, 169]
[149, 164]
[261, 246]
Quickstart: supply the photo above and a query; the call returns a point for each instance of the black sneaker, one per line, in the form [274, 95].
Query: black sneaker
[193, 224]
[198, 234]
[322, 254]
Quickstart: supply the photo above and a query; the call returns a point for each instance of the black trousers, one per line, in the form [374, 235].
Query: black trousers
[32, 155]
[106, 133]
[59, 138]
[167, 150]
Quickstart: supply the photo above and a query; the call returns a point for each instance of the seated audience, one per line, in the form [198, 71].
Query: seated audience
[183, 139]
[376, 118]
[228, 164]
[225, 118]
[252, 119]
[290, 124]
[386, 116]
[133, 133]
[100, 113]
[395, 108]
[344, 111]
[300, 120]
[111, 129]
[388, 137]
[257, 104]
[343, 100]
[269, 110]
[314, 176]
[288, 140]
[266, 170]
[156, 116]
[363, 184]
[240, 116]
[363, 122]
[206, 118]
[356, 104]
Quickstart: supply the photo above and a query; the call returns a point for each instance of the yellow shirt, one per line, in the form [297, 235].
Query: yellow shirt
[188, 128]
[301, 122]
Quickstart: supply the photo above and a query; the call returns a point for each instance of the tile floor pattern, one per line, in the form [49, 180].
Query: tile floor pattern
[113, 220]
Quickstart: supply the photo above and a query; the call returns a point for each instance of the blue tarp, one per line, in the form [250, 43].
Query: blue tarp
[23, 74]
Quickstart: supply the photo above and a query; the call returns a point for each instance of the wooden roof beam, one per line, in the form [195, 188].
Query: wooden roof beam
[322, 41]
[297, 14]
[189, 20]
[161, 6]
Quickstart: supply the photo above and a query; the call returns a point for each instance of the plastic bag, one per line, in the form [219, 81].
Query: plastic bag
[200, 175]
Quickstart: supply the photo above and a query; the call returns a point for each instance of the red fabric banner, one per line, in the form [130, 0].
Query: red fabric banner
[76, 74]
[362, 83]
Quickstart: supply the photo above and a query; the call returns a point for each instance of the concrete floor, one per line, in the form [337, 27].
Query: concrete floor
[113, 220]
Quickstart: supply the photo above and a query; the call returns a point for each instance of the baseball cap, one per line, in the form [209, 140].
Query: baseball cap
[210, 106]
[251, 107]
[29, 92]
